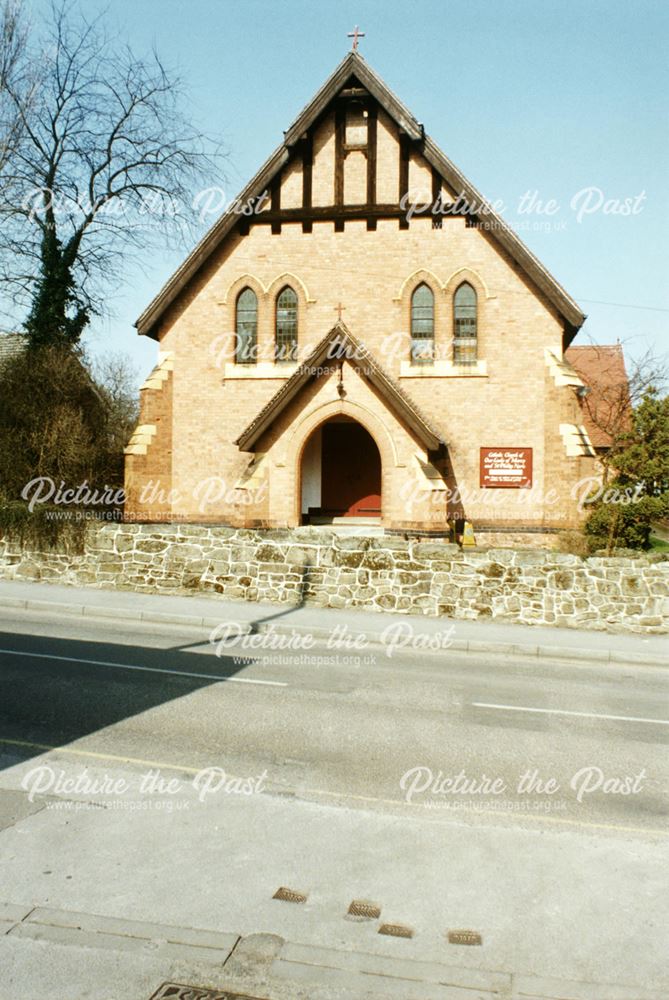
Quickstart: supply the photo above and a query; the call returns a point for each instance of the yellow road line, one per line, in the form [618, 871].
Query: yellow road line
[501, 813]
[104, 756]
[558, 820]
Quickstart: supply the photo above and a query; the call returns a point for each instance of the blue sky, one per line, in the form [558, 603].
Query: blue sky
[568, 99]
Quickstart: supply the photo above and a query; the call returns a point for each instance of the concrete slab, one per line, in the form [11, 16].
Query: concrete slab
[76, 938]
[545, 988]
[361, 984]
[132, 928]
[15, 807]
[385, 965]
[14, 913]
[48, 968]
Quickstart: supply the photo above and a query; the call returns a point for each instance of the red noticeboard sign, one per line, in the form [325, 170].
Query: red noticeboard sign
[506, 468]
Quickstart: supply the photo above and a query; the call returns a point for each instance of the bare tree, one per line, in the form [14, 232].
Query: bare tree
[117, 379]
[615, 395]
[15, 82]
[105, 166]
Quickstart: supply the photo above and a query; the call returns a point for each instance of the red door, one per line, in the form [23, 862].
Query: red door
[351, 471]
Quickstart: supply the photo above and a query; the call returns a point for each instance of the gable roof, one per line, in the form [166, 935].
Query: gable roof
[602, 369]
[354, 65]
[338, 344]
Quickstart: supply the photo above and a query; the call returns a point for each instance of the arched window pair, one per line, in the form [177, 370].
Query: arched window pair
[464, 325]
[285, 332]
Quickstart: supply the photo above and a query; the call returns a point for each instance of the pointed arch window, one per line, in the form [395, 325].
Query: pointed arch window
[465, 334]
[246, 327]
[422, 325]
[285, 348]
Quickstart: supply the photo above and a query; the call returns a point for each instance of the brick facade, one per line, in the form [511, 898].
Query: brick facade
[514, 396]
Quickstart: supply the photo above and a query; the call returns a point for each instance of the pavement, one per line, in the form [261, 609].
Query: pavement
[97, 958]
[479, 636]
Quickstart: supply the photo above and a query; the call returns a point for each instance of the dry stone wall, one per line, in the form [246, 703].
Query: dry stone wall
[388, 573]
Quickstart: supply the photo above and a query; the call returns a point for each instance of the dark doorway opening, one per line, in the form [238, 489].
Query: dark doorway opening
[341, 472]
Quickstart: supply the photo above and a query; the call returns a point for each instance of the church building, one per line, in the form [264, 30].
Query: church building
[360, 339]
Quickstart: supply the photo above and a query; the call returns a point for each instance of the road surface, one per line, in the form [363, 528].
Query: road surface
[343, 774]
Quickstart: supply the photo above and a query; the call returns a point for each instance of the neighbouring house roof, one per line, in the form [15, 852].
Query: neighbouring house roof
[602, 369]
[340, 343]
[11, 344]
[355, 65]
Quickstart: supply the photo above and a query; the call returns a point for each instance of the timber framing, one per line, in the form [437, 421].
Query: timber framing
[405, 159]
[354, 74]
[340, 213]
[307, 178]
[372, 112]
[337, 346]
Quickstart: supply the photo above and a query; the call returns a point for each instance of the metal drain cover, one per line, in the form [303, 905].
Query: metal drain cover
[177, 991]
[363, 908]
[464, 937]
[289, 895]
[396, 930]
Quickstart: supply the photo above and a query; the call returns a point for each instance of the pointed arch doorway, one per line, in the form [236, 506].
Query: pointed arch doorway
[340, 472]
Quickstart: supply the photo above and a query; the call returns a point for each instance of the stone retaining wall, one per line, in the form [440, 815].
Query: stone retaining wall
[388, 573]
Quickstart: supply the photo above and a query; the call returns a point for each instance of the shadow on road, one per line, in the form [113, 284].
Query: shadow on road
[55, 691]
[253, 628]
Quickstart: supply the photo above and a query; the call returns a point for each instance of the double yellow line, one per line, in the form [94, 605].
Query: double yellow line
[538, 817]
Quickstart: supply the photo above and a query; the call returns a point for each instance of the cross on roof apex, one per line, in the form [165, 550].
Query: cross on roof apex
[355, 35]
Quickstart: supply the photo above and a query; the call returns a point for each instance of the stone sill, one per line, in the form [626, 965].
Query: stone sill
[263, 369]
[443, 369]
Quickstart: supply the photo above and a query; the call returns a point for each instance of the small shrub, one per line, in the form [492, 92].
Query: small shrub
[38, 529]
[621, 527]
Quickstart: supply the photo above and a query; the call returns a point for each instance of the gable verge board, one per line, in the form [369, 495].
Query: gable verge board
[355, 65]
[341, 338]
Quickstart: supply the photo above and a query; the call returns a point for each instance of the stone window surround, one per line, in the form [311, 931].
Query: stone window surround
[442, 367]
[266, 296]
